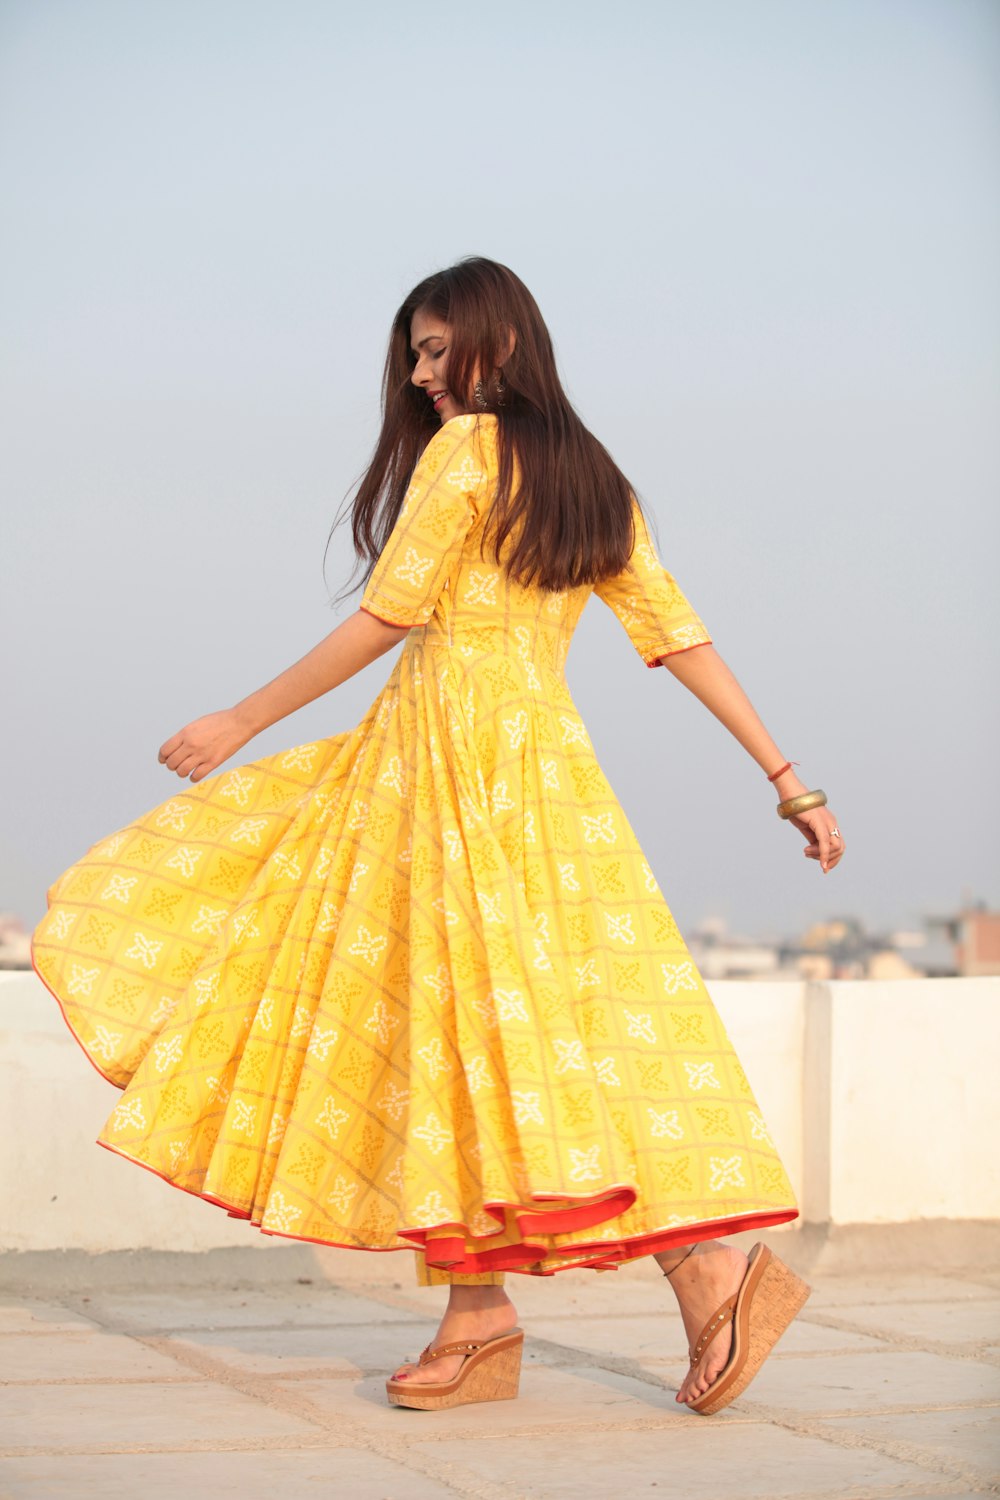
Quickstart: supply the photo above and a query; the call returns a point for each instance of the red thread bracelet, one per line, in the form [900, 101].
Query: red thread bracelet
[782, 769]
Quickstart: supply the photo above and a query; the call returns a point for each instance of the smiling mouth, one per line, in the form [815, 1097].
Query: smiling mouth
[436, 398]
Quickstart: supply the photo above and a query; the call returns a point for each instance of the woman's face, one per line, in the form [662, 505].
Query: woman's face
[429, 338]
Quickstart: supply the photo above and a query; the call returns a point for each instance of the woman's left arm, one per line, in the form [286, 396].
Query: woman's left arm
[704, 673]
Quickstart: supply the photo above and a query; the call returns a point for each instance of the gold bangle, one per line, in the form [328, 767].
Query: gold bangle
[793, 805]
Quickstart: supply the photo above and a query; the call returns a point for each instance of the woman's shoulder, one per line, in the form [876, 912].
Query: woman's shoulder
[471, 423]
[472, 435]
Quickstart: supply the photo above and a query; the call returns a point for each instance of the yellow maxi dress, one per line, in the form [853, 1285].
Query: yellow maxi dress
[415, 986]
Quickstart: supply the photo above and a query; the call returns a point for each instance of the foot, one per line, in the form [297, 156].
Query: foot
[710, 1275]
[473, 1314]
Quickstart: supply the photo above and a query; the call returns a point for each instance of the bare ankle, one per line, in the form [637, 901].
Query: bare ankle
[670, 1261]
[476, 1298]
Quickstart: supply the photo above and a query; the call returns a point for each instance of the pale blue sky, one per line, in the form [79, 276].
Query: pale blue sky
[765, 237]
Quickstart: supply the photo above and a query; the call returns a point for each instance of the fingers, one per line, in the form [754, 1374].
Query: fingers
[169, 747]
[175, 750]
[831, 846]
[825, 842]
[194, 764]
[184, 759]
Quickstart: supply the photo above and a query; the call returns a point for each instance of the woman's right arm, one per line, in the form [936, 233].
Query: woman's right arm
[412, 569]
[201, 746]
[704, 673]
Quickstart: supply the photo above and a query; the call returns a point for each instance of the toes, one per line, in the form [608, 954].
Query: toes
[695, 1386]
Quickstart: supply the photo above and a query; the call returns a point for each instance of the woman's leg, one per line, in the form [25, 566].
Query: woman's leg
[478, 1308]
[703, 1277]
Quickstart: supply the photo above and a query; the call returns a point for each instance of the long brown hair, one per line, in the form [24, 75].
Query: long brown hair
[571, 514]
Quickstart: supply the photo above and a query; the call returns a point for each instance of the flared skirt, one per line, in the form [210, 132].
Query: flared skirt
[414, 986]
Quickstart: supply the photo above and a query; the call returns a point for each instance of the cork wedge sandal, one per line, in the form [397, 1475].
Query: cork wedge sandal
[490, 1372]
[769, 1297]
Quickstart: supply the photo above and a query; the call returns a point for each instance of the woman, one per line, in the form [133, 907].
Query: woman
[415, 985]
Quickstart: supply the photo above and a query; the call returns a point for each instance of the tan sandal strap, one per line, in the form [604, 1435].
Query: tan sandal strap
[718, 1320]
[430, 1353]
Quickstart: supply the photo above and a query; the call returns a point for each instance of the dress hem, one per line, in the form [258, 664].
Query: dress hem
[72, 1029]
[605, 1257]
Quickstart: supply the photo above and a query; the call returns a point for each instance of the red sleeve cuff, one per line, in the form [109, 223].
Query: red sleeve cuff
[659, 660]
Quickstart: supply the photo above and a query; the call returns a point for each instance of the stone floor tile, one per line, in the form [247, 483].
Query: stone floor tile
[223, 1476]
[970, 1436]
[663, 1340]
[803, 1337]
[54, 1417]
[616, 1338]
[835, 1291]
[983, 1277]
[81, 1356]
[25, 1315]
[943, 1322]
[865, 1382]
[349, 1349]
[711, 1459]
[576, 1396]
[298, 1307]
[321, 1354]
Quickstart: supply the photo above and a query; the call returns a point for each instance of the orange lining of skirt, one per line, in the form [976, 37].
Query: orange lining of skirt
[524, 1257]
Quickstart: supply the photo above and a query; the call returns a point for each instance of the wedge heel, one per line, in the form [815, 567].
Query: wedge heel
[491, 1372]
[769, 1297]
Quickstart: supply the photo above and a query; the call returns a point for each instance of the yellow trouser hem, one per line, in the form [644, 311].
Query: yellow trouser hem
[441, 1276]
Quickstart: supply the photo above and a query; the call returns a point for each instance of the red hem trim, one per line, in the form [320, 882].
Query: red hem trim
[72, 1029]
[525, 1258]
[451, 1255]
[449, 1252]
[659, 660]
[384, 621]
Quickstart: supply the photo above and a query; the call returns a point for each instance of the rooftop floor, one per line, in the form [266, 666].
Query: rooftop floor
[217, 1383]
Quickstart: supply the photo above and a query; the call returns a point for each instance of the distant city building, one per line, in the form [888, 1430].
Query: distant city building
[974, 934]
[15, 942]
[967, 943]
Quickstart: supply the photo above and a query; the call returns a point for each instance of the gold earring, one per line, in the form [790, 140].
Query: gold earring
[482, 400]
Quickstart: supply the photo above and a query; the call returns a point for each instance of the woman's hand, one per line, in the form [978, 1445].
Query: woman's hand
[201, 746]
[824, 840]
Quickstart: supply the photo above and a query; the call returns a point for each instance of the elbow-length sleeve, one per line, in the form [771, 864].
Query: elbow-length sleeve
[650, 605]
[435, 518]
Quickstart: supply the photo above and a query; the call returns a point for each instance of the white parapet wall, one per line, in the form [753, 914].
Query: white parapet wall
[882, 1097]
[908, 1129]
